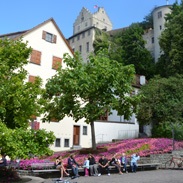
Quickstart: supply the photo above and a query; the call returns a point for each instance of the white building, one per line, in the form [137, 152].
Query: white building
[49, 45]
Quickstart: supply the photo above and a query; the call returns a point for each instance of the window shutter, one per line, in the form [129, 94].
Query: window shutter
[44, 35]
[56, 62]
[104, 117]
[32, 78]
[35, 57]
[54, 38]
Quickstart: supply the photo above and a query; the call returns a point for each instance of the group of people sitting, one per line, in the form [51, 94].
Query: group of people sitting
[92, 168]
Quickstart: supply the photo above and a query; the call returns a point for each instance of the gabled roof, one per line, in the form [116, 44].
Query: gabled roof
[17, 35]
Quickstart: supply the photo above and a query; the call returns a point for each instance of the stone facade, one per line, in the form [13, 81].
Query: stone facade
[84, 29]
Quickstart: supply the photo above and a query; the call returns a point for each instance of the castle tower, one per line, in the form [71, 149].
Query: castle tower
[84, 29]
[159, 14]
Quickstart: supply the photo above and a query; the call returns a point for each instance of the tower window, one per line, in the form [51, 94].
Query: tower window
[159, 14]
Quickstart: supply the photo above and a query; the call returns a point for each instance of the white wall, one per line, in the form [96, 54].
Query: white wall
[64, 128]
[157, 31]
[106, 131]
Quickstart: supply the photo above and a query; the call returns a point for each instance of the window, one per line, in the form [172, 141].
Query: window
[159, 14]
[85, 130]
[87, 47]
[35, 57]
[49, 37]
[56, 62]
[86, 24]
[152, 40]
[88, 32]
[73, 49]
[58, 142]
[103, 19]
[78, 37]
[83, 35]
[66, 143]
[160, 27]
[73, 40]
[80, 49]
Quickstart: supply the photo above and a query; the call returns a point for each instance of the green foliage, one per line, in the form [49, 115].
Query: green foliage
[161, 104]
[162, 130]
[147, 23]
[88, 90]
[18, 99]
[134, 51]
[137, 150]
[127, 47]
[171, 43]
[19, 143]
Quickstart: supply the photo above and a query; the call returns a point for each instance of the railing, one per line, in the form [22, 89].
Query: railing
[127, 134]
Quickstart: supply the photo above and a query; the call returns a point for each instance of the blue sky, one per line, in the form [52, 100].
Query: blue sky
[19, 15]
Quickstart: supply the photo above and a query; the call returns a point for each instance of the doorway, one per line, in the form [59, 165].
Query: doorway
[76, 134]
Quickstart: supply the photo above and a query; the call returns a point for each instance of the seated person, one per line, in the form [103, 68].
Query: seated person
[59, 165]
[124, 162]
[93, 165]
[134, 159]
[114, 162]
[86, 166]
[103, 164]
[73, 165]
[3, 161]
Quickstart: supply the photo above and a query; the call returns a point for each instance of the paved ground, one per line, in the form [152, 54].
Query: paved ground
[152, 176]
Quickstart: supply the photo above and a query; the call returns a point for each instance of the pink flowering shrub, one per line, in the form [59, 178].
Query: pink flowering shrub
[144, 147]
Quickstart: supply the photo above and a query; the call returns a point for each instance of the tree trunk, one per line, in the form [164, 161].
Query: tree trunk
[93, 135]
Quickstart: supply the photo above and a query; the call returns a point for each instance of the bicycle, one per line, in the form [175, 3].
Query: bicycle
[178, 161]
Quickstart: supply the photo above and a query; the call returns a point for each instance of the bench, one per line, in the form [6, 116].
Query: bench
[45, 167]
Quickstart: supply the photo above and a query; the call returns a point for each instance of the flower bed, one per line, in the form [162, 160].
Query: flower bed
[144, 147]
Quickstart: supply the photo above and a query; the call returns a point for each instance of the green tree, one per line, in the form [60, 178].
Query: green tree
[103, 40]
[128, 47]
[171, 43]
[88, 90]
[147, 23]
[18, 99]
[134, 51]
[21, 143]
[161, 104]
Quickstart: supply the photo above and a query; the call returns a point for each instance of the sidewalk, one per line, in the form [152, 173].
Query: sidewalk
[34, 179]
[152, 176]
